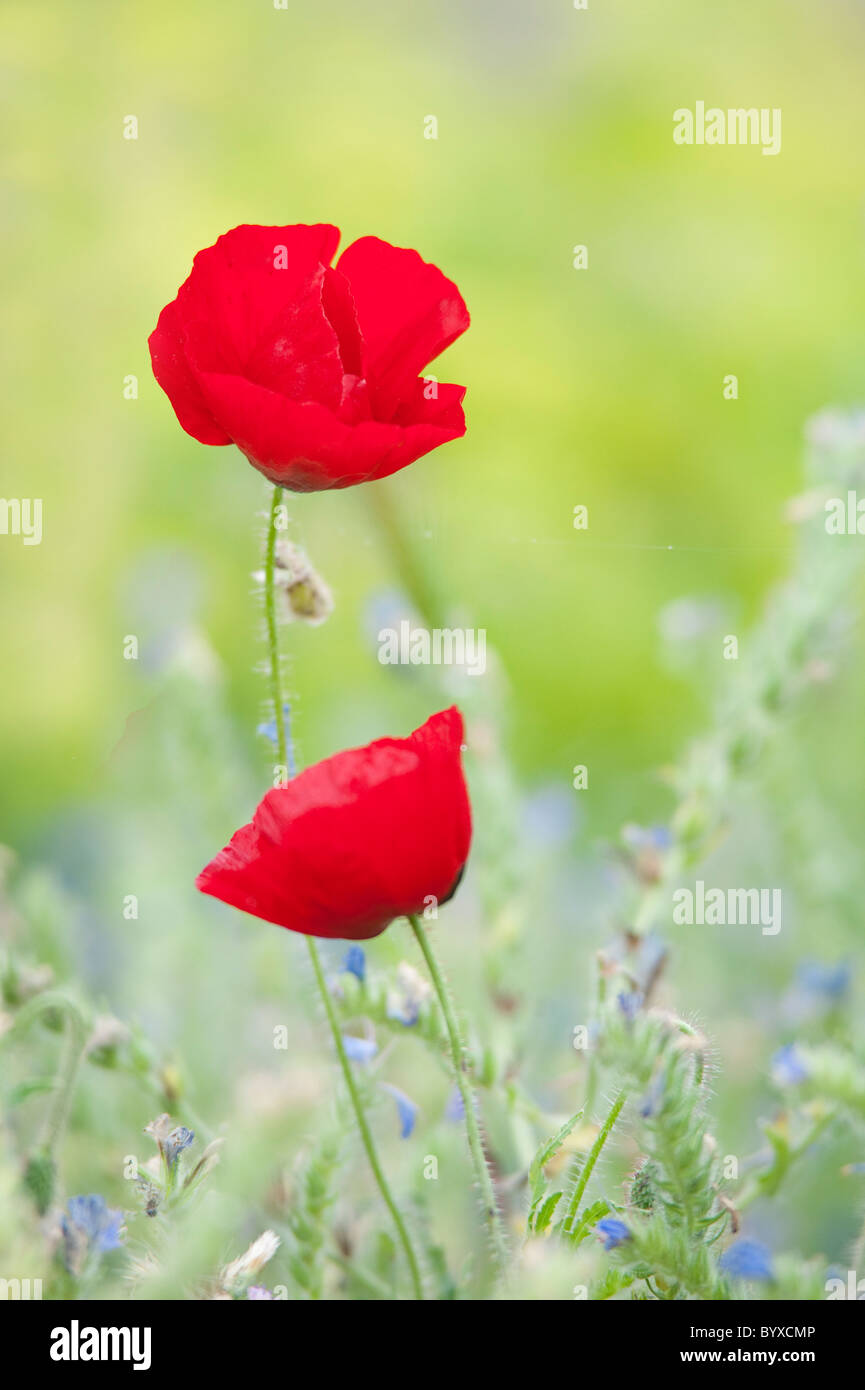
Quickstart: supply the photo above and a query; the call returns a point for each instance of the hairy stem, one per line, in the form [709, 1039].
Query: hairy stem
[315, 958]
[57, 1114]
[473, 1133]
[363, 1126]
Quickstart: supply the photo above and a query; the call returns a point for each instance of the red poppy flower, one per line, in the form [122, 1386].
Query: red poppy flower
[359, 839]
[312, 371]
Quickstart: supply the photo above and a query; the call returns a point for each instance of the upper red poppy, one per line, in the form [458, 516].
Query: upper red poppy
[312, 371]
[363, 837]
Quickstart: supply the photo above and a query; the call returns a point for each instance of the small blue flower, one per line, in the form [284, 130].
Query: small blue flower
[406, 1109]
[747, 1259]
[651, 1102]
[829, 982]
[630, 1004]
[354, 962]
[455, 1110]
[95, 1221]
[652, 837]
[174, 1144]
[404, 1011]
[359, 1049]
[788, 1066]
[612, 1232]
[258, 1293]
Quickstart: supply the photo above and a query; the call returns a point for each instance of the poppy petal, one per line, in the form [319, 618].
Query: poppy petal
[305, 447]
[408, 312]
[355, 841]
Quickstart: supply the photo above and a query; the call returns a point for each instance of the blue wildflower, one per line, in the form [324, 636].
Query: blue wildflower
[788, 1066]
[651, 1102]
[829, 982]
[747, 1259]
[612, 1232]
[354, 962]
[359, 1049]
[89, 1225]
[99, 1222]
[258, 1293]
[174, 1144]
[406, 1109]
[630, 1003]
[652, 837]
[455, 1110]
[404, 1011]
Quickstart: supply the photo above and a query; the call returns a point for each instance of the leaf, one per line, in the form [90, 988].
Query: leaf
[547, 1151]
[590, 1217]
[545, 1215]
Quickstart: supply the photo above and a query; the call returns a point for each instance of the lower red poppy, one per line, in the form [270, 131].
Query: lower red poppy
[355, 841]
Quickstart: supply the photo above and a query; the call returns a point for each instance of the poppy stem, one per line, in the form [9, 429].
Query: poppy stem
[273, 631]
[330, 1011]
[363, 1126]
[473, 1133]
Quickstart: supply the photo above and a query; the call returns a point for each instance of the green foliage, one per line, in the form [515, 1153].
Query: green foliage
[309, 1213]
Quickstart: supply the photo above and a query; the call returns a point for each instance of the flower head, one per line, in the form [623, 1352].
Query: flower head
[829, 983]
[359, 1049]
[788, 1066]
[89, 1226]
[354, 962]
[170, 1139]
[612, 1232]
[312, 370]
[174, 1143]
[405, 1107]
[355, 841]
[630, 1003]
[747, 1259]
[236, 1276]
[307, 598]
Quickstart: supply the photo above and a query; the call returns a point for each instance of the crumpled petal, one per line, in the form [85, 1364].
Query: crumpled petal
[355, 841]
[408, 313]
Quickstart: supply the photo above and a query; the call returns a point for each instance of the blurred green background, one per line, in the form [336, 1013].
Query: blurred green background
[601, 387]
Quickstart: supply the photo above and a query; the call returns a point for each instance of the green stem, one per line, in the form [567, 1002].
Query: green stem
[345, 1065]
[473, 1133]
[365, 1134]
[414, 574]
[273, 631]
[588, 1166]
[57, 1114]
